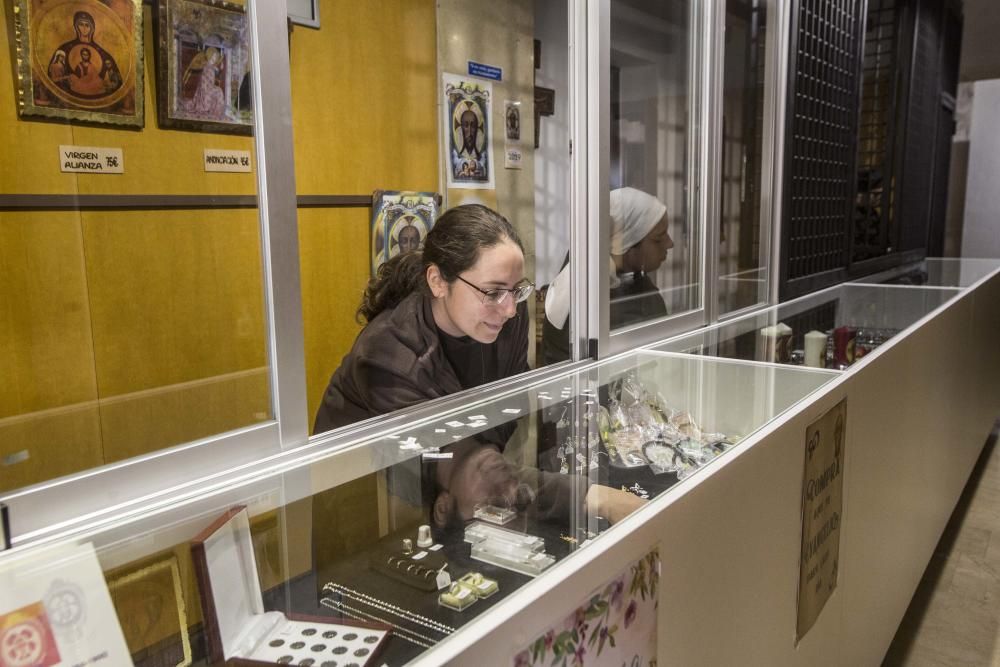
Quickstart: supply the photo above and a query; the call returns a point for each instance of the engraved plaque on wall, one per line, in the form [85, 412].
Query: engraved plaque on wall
[822, 508]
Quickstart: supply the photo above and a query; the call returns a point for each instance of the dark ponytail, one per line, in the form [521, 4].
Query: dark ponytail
[453, 245]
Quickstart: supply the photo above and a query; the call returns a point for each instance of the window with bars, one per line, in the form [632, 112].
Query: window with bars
[874, 214]
[821, 146]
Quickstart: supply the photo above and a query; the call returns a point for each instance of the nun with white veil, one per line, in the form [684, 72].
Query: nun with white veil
[639, 245]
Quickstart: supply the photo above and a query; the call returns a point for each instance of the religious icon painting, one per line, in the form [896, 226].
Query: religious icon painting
[512, 120]
[80, 60]
[400, 222]
[468, 132]
[203, 66]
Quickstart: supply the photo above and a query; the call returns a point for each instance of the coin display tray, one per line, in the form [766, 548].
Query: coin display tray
[297, 642]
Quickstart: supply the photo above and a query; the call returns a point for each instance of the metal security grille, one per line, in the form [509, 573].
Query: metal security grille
[821, 146]
[875, 208]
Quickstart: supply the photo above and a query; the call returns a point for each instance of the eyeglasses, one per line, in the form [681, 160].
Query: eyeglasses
[496, 296]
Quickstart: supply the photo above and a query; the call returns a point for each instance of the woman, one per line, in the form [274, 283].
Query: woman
[441, 320]
[639, 245]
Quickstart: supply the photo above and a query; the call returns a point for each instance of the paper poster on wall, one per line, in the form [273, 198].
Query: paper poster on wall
[56, 610]
[512, 121]
[459, 197]
[468, 131]
[822, 507]
[400, 222]
[616, 625]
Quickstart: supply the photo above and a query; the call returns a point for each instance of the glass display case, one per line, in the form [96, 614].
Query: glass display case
[425, 528]
[829, 329]
[938, 272]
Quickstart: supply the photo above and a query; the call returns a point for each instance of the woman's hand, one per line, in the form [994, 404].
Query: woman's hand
[613, 504]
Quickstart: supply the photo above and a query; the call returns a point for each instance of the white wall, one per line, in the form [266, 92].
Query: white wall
[981, 229]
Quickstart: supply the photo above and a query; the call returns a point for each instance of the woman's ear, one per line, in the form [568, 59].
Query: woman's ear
[437, 283]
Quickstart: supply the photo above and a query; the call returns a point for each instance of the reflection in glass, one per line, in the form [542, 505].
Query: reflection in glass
[128, 323]
[649, 163]
[742, 250]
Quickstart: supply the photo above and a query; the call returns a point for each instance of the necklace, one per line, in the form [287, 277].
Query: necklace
[390, 608]
[361, 616]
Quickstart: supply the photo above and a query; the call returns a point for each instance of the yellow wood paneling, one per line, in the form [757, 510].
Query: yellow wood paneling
[363, 98]
[46, 357]
[333, 245]
[142, 422]
[57, 442]
[175, 296]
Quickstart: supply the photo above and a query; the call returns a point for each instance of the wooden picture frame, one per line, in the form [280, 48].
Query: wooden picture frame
[203, 66]
[80, 60]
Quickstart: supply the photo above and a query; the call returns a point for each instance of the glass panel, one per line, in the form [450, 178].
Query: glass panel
[939, 272]
[828, 329]
[340, 535]
[374, 184]
[743, 274]
[131, 309]
[655, 243]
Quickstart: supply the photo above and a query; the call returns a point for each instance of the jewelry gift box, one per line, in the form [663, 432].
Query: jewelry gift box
[237, 628]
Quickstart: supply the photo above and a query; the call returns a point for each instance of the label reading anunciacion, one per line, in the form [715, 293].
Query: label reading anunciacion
[217, 159]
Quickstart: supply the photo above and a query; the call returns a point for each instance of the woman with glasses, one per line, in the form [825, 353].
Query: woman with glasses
[440, 320]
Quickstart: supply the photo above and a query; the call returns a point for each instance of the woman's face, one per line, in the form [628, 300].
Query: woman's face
[459, 309]
[652, 250]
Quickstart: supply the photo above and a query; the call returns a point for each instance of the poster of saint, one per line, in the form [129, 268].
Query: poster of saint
[400, 222]
[80, 60]
[468, 132]
[203, 66]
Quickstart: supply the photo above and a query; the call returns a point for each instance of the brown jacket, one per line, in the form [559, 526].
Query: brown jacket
[398, 361]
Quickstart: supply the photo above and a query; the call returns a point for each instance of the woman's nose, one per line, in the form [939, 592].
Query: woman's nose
[509, 305]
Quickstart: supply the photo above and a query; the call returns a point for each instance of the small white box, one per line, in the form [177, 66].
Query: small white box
[236, 626]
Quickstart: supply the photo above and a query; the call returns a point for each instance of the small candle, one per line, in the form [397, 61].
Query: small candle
[815, 349]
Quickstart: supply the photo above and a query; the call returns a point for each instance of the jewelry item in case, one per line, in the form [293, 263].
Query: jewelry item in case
[457, 597]
[480, 585]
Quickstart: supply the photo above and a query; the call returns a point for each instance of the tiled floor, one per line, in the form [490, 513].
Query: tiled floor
[954, 618]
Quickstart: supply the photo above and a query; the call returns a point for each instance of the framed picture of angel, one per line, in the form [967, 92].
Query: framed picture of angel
[203, 66]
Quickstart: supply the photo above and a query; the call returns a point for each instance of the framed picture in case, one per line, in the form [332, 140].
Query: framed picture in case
[238, 629]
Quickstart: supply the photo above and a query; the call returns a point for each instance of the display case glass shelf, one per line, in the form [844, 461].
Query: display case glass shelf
[938, 272]
[842, 323]
[489, 495]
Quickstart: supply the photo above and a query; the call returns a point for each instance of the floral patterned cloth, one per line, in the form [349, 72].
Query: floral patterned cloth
[615, 626]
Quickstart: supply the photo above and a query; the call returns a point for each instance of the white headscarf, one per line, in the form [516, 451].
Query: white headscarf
[633, 215]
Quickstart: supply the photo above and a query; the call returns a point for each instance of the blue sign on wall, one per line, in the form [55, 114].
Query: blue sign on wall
[485, 71]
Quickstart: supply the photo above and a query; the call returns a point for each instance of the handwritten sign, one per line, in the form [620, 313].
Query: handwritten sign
[217, 159]
[91, 160]
[512, 158]
[822, 508]
[56, 610]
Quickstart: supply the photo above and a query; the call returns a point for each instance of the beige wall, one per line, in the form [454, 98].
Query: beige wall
[499, 33]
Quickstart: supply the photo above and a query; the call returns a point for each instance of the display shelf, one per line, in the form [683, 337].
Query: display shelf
[938, 272]
[442, 465]
[874, 313]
